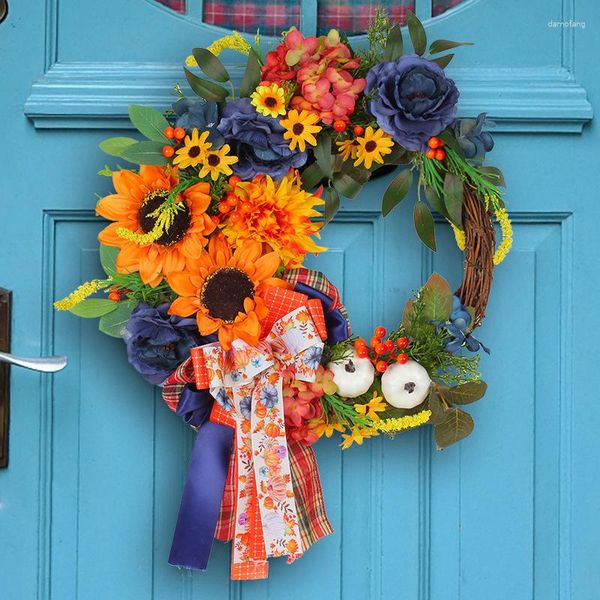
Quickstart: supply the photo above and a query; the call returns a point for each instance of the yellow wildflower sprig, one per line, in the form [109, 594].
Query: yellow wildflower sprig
[507, 235]
[229, 42]
[81, 293]
[164, 215]
[398, 424]
[459, 236]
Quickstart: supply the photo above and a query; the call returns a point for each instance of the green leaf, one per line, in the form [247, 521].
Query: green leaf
[332, 204]
[93, 307]
[417, 33]
[437, 408]
[493, 174]
[453, 198]
[106, 171]
[322, 153]
[115, 145]
[210, 64]
[209, 90]
[149, 122]
[443, 61]
[424, 224]
[394, 46]
[448, 136]
[145, 153]
[435, 201]
[442, 45]
[456, 426]
[466, 393]
[436, 296]
[398, 156]
[311, 176]
[251, 75]
[108, 259]
[406, 314]
[346, 184]
[114, 322]
[396, 191]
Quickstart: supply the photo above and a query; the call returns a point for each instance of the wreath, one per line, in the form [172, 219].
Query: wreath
[205, 280]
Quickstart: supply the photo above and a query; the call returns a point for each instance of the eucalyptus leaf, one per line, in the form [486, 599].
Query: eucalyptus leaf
[396, 191]
[210, 64]
[251, 75]
[115, 145]
[114, 322]
[346, 185]
[442, 45]
[93, 307]
[453, 198]
[108, 259]
[493, 174]
[322, 154]
[456, 426]
[435, 201]
[417, 33]
[394, 46]
[424, 224]
[311, 176]
[450, 139]
[406, 314]
[466, 393]
[443, 61]
[145, 153]
[209, 90]
[332, 204]
[437, 408]
[436, 296]
[149, 122]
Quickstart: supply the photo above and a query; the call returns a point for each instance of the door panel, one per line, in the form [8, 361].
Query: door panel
[97, 461]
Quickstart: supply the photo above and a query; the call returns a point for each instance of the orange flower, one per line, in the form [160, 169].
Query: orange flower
[292, 546]
[223, 289]
[136, 198]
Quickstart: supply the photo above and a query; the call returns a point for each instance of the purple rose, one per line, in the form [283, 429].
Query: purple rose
[158, 342]
[412, 99]
[257, 141]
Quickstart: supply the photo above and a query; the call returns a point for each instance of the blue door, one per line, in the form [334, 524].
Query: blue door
[97, 462]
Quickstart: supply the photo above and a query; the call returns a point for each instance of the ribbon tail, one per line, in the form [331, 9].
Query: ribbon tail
[202, 495]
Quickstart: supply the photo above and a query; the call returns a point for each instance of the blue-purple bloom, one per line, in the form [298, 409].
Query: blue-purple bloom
[257, 141]
[246, 406]
[223, 399]
[268, 395]
[198, 114]
[474, 140]
[457, 327]
[312, 357]
[412, 100]
[158, 342]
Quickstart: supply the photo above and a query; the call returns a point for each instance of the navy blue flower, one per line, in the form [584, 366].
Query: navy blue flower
[412, 99]
[246, 406]
[312, 357]
[158, 342]
[458, 329]
[223, 399]
[201, 115]
[472, 137]
[257, 141]
[268, 396]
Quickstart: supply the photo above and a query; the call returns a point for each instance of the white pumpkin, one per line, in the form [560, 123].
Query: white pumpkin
[405, 386]
[353, 375]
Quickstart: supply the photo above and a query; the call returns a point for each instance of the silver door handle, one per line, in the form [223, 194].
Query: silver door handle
[51, 364]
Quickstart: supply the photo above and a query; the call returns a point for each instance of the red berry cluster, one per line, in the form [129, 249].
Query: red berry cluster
[230, 206]
[177, 133]
[382, 353]
[340, 126]
[436, 149]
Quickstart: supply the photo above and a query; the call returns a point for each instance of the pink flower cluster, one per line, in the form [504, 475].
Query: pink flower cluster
[322, 68]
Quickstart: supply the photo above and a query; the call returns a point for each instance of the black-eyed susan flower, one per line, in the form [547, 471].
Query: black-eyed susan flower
[370, 409]
[300, 129]
[269, 100]
[216, 162]
[195, 146]
[348, 149]
[372, 147]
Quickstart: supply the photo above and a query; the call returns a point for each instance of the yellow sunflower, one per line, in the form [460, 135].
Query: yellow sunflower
[216, 162]
[269, 100]
[372, 147]
[278, 214]
[300, 127]
[372, 407]
[348, 149]
[194, 148]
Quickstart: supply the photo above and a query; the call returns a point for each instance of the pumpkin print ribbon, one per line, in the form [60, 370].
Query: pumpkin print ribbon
[246, 382]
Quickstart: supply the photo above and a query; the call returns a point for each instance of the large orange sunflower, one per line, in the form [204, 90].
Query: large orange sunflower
[136, 198]
[223, 289]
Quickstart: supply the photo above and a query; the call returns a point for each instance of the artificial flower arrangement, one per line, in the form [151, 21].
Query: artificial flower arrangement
[205, 280]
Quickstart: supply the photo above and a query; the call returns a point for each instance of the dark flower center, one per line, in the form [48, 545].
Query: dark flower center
[213, 160]
[194, 151]
[298, 128]
[224, 292]
[370, 146]
[270, 101]
[179, 226]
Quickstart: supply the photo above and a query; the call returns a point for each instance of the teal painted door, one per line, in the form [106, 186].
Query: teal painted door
[97, 461]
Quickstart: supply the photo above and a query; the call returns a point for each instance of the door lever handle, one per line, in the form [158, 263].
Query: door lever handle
[51, 364]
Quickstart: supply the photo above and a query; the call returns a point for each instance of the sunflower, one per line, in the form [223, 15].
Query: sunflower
[278, 214]
[300, 127]
[223, 289]
[216, 162]
[194, 148]
[348, 149]
[372, 146]
[269, 100]
[134, 210]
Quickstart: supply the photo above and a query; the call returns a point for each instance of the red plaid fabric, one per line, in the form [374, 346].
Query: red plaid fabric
[176, 5]
[441, 6]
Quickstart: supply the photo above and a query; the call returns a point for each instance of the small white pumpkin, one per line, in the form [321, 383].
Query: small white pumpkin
[353, 375]
[405, 386]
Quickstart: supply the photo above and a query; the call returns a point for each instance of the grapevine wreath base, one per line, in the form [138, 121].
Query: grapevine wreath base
[205, 280]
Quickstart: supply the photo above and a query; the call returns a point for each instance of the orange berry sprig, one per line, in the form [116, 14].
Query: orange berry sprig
[436, 149]
[177, 133]
[382, 353]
